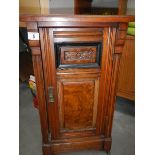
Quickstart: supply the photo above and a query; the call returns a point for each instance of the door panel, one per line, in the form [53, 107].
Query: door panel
[77, 104]
[75, 90]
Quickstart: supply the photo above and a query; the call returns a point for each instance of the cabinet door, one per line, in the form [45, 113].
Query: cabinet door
[72, 67]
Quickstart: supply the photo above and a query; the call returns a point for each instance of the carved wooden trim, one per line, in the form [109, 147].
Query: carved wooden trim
[106, 71]
[78, 55]
[109, 74]
[38, 72]
[48, 58]
[120, 37]
[87, 53]
[112, 94]
[37, 65]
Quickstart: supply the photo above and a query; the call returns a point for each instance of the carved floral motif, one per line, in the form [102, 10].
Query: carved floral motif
[78, 54]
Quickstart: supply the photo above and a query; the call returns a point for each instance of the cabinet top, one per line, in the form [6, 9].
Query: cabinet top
[77, 18]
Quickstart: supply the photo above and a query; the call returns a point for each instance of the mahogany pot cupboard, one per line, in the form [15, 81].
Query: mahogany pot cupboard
[76, 61]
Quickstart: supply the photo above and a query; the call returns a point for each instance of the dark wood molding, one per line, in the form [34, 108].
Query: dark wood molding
[78, 18]
[79, 55]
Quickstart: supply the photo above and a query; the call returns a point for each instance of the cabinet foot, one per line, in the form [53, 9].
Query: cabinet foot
[107, 146]
[46, 149]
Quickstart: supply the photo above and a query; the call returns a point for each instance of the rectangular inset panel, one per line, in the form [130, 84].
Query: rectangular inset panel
[78, 55]
[78, 104]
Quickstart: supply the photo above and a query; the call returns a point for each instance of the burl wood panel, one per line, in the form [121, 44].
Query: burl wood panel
[126, 84]
[78, 104]
[78, 55]
[78, 100]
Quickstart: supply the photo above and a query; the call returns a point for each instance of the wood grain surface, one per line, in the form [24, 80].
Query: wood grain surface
[126, 84]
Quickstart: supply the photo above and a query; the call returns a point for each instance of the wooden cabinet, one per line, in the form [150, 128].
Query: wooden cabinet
[126, 84]
[76, 60]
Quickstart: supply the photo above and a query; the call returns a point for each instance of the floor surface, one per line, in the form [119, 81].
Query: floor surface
[123, 133]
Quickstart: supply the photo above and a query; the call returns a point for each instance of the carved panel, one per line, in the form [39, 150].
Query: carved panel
[78, 54]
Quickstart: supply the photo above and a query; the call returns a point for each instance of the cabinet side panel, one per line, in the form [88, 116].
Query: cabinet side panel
[126, 85]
